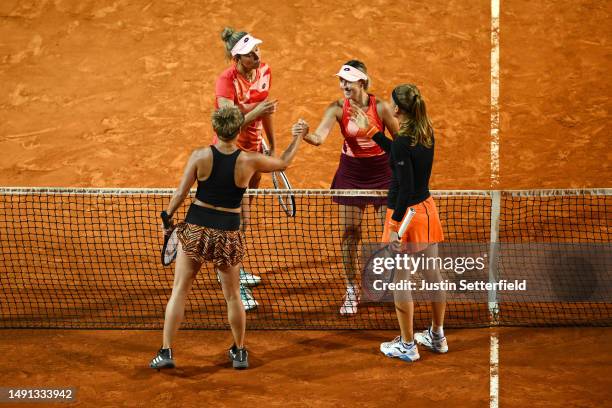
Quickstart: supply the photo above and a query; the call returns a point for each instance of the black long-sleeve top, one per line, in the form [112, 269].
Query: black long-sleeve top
[411, 167]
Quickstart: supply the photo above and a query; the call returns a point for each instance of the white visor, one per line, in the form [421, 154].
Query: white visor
[245, 45]
[351, 74]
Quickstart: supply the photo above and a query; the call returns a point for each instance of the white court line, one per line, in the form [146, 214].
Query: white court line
[494, 349]
[494, 372]
[495, 92]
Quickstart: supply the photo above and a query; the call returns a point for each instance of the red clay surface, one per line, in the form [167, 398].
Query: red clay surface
[118, 95]
[538, 368]
[556, 367]
[555, 94]
[293, 368]
[95, 94]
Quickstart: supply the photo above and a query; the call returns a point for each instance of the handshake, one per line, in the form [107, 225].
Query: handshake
[300, 129]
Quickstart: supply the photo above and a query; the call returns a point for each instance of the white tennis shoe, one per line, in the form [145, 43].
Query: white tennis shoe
[429, 339]
[396, 348]
[248, 279]
[247, 298]
[351, 301]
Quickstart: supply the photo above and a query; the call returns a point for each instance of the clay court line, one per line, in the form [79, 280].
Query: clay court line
[494, 371]
[494, 348]
[495, 93]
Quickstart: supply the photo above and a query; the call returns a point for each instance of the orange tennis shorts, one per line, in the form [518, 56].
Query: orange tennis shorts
[425, 227]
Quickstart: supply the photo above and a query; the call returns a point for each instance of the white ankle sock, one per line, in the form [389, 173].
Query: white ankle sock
[407, 344]
[439, 332]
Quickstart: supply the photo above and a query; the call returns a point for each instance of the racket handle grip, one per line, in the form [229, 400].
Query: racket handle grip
[165, 219]
[264, 147]
[406, 222]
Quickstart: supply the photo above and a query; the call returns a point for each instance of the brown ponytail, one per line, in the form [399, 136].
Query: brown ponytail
[230, 37]
[417, 126]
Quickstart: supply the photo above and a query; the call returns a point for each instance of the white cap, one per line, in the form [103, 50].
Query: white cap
[245, 45]
[351, 74]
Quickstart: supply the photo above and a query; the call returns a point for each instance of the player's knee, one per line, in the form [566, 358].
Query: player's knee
[178, 294]
[232, 296]
[182, 284]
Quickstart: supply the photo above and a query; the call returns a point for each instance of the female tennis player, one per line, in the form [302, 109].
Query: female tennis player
[363, 164]
[412, 154]
[211, 231]
[246, 84]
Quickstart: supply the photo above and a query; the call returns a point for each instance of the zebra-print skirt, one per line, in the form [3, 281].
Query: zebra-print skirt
[204, 244]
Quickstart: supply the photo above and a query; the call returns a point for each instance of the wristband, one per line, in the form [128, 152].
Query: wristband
[371, 132]
[166, 219]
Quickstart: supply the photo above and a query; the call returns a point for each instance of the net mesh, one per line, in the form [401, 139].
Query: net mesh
[568, 216]
[86, 258]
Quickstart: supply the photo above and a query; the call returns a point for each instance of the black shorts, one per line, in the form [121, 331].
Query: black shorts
[208, 217]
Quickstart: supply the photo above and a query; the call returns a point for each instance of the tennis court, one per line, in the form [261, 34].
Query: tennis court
[102, 104]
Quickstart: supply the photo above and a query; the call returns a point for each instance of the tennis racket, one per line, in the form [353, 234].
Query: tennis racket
[281, 182]
[406, 222]
[168, 253]
[386, 251]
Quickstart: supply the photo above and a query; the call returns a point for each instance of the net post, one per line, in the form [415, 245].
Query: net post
[493, 254]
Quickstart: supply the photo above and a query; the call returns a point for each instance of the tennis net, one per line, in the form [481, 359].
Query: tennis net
[89, 258]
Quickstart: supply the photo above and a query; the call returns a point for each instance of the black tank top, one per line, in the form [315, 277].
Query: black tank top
[219, 189]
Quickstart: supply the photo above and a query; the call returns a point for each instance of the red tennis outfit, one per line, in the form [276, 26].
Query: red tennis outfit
[363, 164]
[246, 95]
[360, 146]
